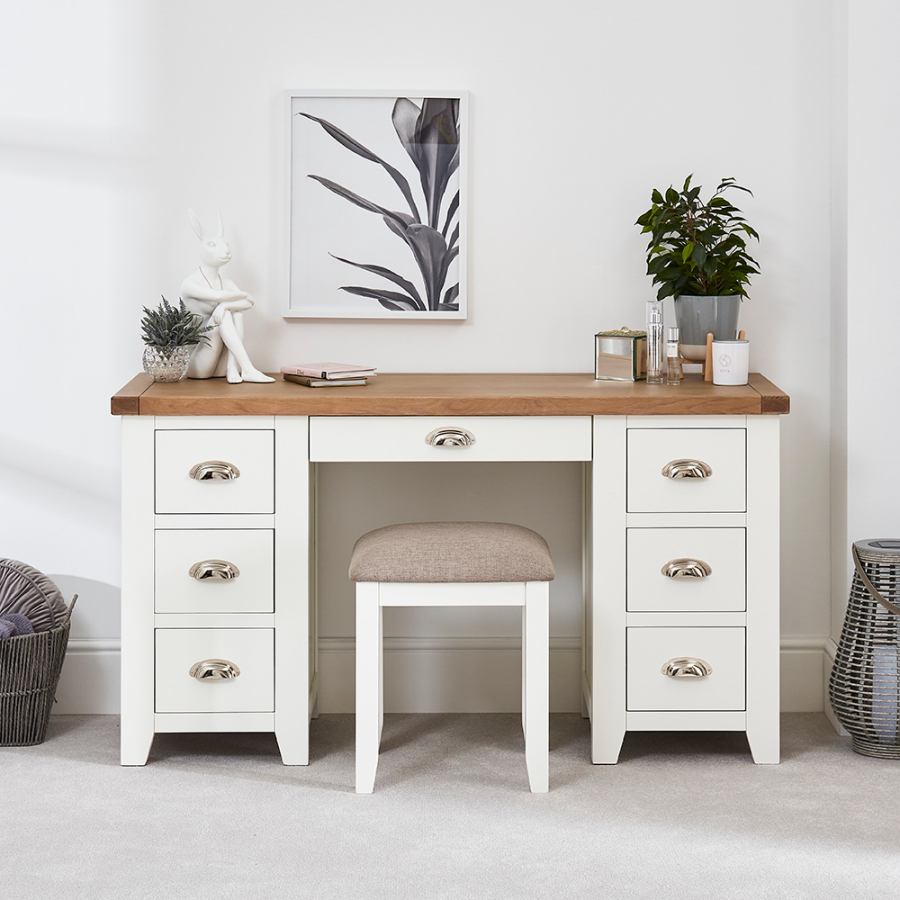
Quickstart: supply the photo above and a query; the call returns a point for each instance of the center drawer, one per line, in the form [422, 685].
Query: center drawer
[456, 438]
[686, 569]
[250, 650]
[214, 570]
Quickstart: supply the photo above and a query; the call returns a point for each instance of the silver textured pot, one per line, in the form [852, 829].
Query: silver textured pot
[697, 316]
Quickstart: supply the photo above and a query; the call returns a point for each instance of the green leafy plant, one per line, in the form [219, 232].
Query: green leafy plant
[698, 249]
[430, 135]
[166, 327]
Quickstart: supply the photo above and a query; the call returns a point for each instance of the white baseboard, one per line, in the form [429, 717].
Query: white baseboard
[802, 685]
[450, 675]
[439, 675]
[89, 683]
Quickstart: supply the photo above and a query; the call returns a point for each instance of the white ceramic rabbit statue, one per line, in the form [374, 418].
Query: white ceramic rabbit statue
[221, 303]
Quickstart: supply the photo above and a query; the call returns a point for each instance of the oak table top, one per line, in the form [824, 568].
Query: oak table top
[468, 394]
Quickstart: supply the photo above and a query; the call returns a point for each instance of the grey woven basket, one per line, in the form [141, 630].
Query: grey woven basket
[29, 674]
[865, 681]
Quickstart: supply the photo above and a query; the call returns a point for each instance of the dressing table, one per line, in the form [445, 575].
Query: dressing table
[681, 541]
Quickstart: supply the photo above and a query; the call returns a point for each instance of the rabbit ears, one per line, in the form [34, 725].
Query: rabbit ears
[198, 228]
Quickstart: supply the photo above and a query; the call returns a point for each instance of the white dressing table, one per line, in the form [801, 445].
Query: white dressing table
[681, 610]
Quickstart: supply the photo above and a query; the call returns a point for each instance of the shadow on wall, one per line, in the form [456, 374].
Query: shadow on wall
[89, 683]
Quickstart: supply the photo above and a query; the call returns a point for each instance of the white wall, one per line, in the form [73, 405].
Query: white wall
[839, 317]
[77, 250]
[125, 115]
[873, 408]
[867, 422]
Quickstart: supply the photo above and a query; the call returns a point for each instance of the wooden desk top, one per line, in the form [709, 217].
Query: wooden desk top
[457, 394]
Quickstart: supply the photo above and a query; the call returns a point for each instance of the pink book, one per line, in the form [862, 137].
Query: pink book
[329, 370]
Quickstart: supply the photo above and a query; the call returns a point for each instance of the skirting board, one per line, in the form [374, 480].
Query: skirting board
[89, 682]
[434, 675]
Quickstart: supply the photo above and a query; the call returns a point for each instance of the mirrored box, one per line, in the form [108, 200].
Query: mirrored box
[620, 355]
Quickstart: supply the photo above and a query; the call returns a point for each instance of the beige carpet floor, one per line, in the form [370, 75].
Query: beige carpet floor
[217, 817]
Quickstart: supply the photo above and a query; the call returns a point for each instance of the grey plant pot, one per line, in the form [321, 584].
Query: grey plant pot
[697, 316]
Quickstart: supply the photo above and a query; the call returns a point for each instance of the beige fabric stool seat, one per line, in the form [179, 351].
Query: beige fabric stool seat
[462, 564]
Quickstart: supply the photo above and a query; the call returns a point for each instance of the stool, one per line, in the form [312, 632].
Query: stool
[462, 564]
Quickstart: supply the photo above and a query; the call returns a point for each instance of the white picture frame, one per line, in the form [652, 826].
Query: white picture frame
[377, 224]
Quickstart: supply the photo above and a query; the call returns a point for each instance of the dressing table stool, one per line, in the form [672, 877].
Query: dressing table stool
[452, 564]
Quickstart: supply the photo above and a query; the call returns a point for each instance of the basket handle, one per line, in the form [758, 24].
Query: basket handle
[71, 607]
[891, 607]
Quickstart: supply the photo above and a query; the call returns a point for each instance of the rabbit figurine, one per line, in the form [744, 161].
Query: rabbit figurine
[220, 303]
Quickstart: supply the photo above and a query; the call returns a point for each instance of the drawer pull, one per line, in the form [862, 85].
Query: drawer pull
[450, 437]
[686, 667]
[687, 468]
[215, 470]
[686, 568]
[214, 669]
[214, 570]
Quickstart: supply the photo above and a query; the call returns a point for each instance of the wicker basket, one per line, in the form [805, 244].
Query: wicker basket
[865, 679]
[29, 673]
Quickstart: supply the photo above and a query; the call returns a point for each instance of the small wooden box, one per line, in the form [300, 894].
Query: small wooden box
[620, 355]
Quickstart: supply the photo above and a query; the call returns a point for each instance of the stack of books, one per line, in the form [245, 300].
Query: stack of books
[327, 374]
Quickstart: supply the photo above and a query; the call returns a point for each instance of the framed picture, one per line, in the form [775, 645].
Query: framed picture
[377, 213]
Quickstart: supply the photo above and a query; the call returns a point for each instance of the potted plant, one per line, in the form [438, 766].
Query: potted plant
[169, 334]
[698, 254]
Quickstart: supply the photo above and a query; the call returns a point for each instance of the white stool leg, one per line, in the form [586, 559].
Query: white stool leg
[536, 653]
[524, 673]
[368, 685]
[380, 671]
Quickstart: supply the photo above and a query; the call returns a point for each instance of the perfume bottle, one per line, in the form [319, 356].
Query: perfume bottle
[655, 371]
[673, 357]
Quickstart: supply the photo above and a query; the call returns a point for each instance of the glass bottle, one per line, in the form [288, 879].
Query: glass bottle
[655, 371]
[673, 357]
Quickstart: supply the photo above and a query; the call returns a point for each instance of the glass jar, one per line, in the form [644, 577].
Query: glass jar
[166, 365]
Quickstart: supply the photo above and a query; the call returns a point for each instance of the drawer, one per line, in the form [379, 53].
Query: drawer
[649, 649]
[402, 438]
[248, 452]
[650, 550]
[252, 650]
[723, 450]
[248, 587]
